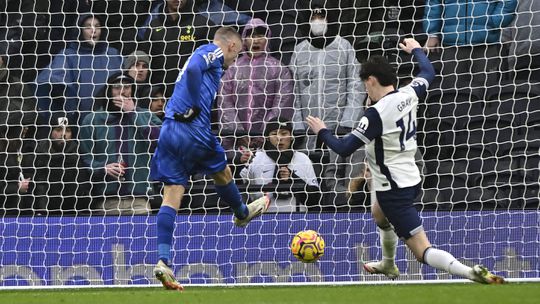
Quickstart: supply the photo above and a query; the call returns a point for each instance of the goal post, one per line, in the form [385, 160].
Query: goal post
[477, 133]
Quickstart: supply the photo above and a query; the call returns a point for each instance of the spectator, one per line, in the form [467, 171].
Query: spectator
[17, 103]
[278, 165]
[221, 13]
[255, 90]
[15, 180]
[17, 112]
[124, 19]
[173, 36]
[523, 38]
[469, 33]
[32, 30]
[136, 66]
[78, 72]
[157, 101]
[378, 26]
[282, 18]
[116, 143]
[327, 85]
[60, 185]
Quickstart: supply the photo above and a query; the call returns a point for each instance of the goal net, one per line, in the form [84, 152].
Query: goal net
[84, 85]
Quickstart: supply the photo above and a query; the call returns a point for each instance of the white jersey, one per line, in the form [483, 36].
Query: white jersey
[389, 130]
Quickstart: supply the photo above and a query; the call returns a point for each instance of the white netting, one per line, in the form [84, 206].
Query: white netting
[76, 201]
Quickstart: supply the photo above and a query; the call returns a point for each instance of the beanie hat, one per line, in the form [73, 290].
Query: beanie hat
[59, 119]
[317, 8]
[135, 57]
[277, 123]
[121, 78]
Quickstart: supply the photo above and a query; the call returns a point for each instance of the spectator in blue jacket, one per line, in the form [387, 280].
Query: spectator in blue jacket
[78, 72]
[469, 33]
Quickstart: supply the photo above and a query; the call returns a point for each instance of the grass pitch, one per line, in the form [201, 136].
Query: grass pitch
[522, 293]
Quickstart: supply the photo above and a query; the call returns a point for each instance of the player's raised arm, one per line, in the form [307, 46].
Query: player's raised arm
[343, 146]
[427, 72]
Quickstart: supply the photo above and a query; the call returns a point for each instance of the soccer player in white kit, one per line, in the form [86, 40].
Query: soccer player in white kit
[388, 129]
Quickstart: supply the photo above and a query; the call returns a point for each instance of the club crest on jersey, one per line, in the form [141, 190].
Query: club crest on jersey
[210, 57]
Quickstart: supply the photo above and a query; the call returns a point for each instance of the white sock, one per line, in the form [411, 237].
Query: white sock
[389, 241]
[443, 260]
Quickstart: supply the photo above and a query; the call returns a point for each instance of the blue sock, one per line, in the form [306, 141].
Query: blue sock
[230, 194]
[165, 227]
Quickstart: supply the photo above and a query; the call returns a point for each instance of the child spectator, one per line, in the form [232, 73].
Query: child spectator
[136, 66]
[157, 101]
[278, 165]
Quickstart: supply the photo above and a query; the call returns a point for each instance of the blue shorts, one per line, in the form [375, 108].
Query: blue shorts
[183, 151]
[397, 205]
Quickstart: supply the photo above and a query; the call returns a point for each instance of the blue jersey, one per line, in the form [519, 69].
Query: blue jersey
[189, 147]
[197, 85]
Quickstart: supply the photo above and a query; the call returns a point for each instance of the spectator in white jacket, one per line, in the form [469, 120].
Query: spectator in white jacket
[289, 172]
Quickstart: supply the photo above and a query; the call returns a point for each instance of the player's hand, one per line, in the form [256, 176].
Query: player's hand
[367, 176]
[115, 170]
[432, 44]
[124, 103]
[409, 44]
[315, 124]
[284, 173]
[24, 185]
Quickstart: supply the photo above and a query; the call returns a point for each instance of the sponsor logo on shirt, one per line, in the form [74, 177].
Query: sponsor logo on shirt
[364, 124]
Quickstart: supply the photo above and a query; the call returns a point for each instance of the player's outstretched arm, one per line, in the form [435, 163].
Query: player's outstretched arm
[343, 146]
[427, 71]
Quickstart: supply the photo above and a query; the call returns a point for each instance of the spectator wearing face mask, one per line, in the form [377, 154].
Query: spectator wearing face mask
[327, 85]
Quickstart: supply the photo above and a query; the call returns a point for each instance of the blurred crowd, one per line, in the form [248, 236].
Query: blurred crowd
[84, 85]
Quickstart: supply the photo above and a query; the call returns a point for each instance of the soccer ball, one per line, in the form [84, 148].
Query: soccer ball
[307, 246]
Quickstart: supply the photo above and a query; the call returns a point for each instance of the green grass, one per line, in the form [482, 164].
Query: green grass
[522, 293]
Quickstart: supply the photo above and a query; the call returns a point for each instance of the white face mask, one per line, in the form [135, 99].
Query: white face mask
[318, 27]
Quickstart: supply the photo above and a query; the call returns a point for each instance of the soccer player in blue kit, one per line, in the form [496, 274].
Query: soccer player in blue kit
[187, 145]
[388, 129]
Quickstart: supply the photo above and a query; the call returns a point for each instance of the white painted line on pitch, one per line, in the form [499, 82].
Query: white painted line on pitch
[289, 284]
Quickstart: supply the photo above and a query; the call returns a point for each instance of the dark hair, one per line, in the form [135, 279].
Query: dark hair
[378, 67]
[276, 124]
[226, 33]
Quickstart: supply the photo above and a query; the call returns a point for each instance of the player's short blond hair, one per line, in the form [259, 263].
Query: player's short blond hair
[227, 33]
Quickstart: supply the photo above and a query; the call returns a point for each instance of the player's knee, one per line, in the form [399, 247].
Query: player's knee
[224, 177]
[379, 216]
[384, 224]
[418, 244]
